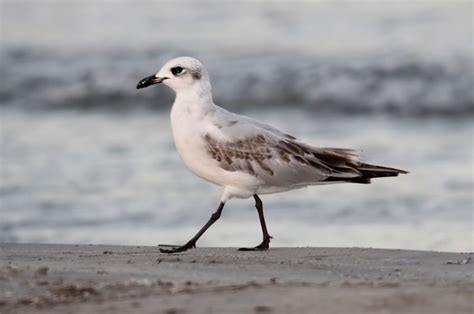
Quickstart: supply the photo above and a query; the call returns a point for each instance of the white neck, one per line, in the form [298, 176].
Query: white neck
[195, 100]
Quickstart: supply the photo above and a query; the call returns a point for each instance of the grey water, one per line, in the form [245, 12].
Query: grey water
[85, 158]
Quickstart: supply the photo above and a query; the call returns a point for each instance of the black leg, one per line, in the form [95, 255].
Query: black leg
[192, 243]
[266, 237]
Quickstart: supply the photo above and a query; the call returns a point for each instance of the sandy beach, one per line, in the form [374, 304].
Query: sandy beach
[45, 278]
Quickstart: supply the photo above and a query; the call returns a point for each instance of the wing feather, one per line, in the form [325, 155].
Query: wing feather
[279, 159]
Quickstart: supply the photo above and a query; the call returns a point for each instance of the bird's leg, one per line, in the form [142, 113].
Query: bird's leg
[192, 243]
[266, 237]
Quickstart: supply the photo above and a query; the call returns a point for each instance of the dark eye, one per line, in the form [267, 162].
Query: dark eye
[176, 70]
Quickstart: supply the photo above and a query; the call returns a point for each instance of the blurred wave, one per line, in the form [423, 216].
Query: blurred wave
[401, 85]
[359, 57]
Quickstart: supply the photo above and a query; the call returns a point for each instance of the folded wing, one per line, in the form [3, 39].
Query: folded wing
[279, 159]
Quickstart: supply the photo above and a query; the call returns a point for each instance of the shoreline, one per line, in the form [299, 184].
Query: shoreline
[58, 278]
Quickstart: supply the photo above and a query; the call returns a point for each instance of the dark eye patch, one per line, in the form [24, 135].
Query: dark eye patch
[176, 70]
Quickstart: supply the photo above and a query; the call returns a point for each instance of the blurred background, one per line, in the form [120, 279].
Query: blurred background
[86, 158]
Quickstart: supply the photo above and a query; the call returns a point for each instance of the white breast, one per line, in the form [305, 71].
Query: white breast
[189, 131]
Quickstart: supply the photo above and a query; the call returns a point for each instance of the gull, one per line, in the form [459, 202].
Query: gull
[245, 156]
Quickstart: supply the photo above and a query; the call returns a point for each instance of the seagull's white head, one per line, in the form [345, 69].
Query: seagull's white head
[182, 74]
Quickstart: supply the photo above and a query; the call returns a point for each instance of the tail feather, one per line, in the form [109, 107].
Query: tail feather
[368, 172]
[343, 164]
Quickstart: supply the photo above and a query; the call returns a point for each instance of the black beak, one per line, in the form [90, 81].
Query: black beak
[150, 80]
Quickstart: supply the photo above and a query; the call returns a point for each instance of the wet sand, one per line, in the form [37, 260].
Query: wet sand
[39, 278]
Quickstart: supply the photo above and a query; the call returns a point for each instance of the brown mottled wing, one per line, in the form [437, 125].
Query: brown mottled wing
[250, 146]
[280, 161]
[283, 160]
[244, 155]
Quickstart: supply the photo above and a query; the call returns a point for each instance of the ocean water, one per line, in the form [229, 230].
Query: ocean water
[411, 59]
[115, 178]
[86, 158]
